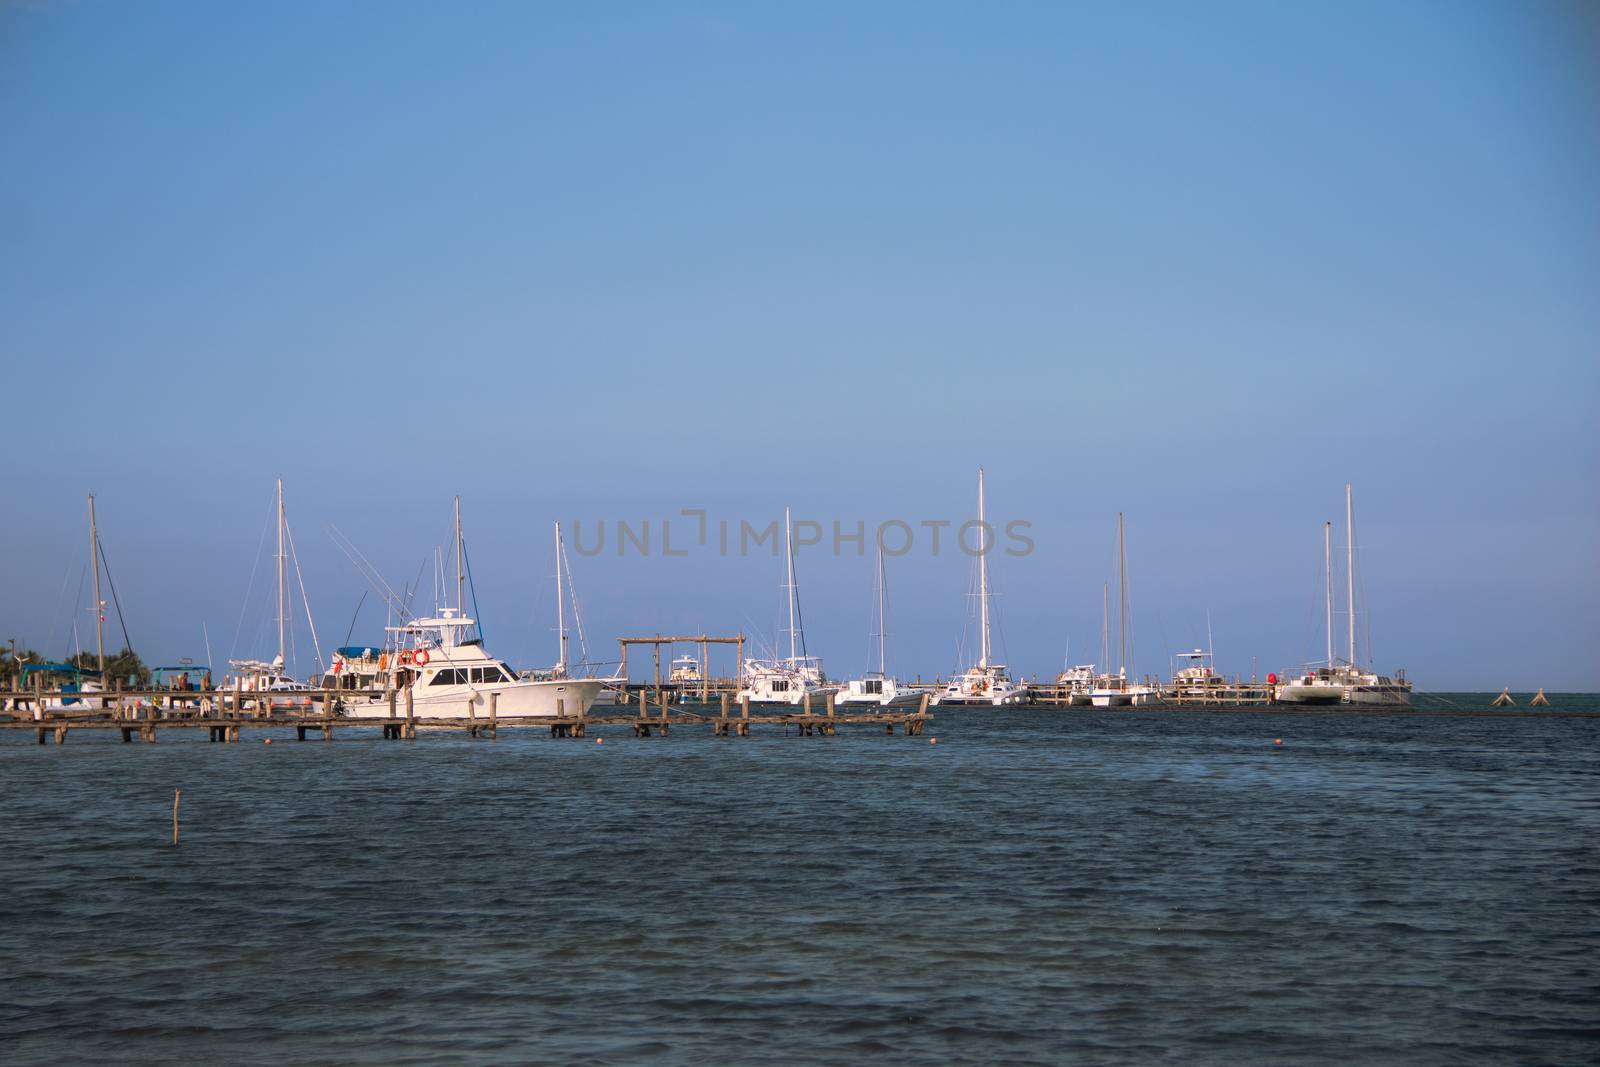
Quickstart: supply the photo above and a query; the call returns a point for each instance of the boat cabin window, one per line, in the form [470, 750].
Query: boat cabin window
[487, 674]
[449, 676]
[781, 685]
[873, 686]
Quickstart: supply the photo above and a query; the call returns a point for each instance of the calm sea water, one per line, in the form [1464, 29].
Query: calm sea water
[1039, 887]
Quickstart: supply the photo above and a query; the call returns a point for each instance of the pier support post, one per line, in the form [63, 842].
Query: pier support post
[744, 716]
[299, 733]
[411, 721]
[494, 718]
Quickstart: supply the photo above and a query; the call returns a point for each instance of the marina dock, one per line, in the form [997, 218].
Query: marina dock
[141, 714]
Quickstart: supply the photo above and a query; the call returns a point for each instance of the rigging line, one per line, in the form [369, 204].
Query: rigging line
[121, 622]
[354, 616]
[476, 615]
[316, 645]
[244, 605]
[70, 638]
[370, 573]
[577, 614]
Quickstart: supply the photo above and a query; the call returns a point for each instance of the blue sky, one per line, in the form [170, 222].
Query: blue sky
[1198, 265]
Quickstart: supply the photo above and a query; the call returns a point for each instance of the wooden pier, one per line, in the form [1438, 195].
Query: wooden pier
[141, 714]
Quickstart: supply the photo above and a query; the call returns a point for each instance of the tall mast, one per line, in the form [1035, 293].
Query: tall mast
[561, 612]
[788, 551]
[1122, 602]
[1327, 562]
[983, 575]
[1350, 565]
[461, 578]
[282, 579]
[883, 617]
[99, 605]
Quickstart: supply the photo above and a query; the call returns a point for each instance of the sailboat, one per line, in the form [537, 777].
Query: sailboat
[1115, 690]
[255, 676]
[791, 680]
[1344, 681]
[1363, 685]
[450, 676]
[878, 687]
[986, 682]
[564, 592]
[71, 677]
[1324, 684]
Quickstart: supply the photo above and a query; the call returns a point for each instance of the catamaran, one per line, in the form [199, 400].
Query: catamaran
[879, 686]
[1324, 684]
[986, 682]
[791, 680]
[1116, 690]
[1344, 681]
[442, 662]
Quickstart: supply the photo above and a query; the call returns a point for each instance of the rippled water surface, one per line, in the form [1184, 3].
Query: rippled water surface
[1039, 886]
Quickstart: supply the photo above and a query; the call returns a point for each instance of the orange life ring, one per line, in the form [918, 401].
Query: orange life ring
[383, 661]
[338, 665]
[421, 657]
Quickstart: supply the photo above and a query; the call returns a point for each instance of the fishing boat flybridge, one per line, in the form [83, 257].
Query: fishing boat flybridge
[879, 687]
[1343, 681]
[790, 680]
[442, 662]
[985, 683]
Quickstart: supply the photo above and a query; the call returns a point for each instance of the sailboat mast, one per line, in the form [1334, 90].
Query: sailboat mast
[983, 575]
[1122, 601]
[561, 612]
[282, 579]
[99, 606]
[461, 578]
[788, 551]
[883, 617]
[1350, 565]
[1327, 562]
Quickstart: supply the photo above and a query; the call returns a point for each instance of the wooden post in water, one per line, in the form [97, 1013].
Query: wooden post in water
[411, 722]
[177, 794]
[832, 726]
[744, 715]
[494, 721]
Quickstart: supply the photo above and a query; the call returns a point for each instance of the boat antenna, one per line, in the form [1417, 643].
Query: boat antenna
[460, 574]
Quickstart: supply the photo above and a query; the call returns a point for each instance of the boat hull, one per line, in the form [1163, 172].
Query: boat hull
[567, 696]
[1310, 694]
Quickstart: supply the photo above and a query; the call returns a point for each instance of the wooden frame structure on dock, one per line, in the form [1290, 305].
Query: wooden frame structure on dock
[705, 641]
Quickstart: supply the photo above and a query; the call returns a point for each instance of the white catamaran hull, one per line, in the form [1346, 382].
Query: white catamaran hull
[1379, 696]
[1310, 694]
[994, 699]
[567, 696]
